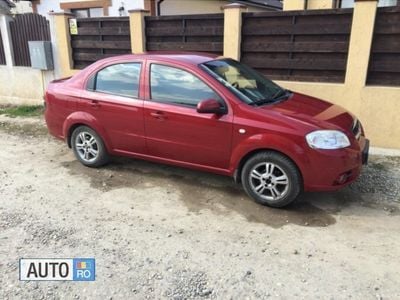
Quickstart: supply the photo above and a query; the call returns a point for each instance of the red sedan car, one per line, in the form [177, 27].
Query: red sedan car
[207, 113]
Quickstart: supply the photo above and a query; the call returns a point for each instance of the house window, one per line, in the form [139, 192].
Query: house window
[87, 9]
[88, 12]
[350, 3]
[81, 13]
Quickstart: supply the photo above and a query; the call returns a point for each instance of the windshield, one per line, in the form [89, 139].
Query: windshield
[249, 85]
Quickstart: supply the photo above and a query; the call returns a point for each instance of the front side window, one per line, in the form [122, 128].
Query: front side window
[173, 85]
[249, 85]
[119, 79]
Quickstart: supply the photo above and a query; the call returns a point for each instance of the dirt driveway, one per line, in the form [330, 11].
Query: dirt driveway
[163, 232]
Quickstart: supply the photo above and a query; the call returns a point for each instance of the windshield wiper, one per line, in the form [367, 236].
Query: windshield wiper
[262, 101]
[279, 95]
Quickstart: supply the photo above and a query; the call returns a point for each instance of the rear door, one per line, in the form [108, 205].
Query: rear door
[113, 97]
[174, 129]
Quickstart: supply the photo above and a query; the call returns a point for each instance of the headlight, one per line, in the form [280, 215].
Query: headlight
[327, 139]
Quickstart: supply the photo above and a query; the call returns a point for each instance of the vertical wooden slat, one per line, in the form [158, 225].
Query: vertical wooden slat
[2, 54]
[25, 28]
[24, 40]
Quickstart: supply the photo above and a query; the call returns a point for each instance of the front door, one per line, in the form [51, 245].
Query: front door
[174, 129]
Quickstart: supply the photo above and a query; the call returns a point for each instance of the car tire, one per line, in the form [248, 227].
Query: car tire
[272, 179]
[88, 147]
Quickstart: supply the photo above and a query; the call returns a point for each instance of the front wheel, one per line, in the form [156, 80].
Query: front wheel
[271, 179]
[88, 147]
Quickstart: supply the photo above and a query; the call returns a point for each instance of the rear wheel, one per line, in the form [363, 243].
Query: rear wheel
[88, 147]
[271, 179]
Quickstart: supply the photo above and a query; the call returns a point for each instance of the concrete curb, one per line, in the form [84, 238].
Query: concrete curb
[384, 151]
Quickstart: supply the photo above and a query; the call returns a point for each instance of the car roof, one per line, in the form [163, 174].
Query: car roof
[185, 58]
[190, 58]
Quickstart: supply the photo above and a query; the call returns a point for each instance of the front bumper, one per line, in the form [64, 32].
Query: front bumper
[333, 169]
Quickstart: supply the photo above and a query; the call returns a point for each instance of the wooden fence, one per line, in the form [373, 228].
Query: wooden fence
[384, 66]
[185, 33]
[24, 28]
[99, 38]
[300, 45]
[2, 54]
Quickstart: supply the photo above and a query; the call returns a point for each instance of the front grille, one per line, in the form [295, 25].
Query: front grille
[356, 129]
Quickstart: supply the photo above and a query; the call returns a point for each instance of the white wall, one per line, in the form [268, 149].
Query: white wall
[178, 7]
[23, 85]
[54, 5]
[46, 6]
[22, 7]
[188, 7]
[168, 7]
[128, 4]
[350, 3]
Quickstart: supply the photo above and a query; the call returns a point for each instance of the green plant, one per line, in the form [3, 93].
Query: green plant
[22, 110]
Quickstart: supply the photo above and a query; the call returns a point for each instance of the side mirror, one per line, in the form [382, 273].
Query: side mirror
[210, 106]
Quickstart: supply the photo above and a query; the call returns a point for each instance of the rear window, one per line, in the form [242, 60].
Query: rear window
[119, 79]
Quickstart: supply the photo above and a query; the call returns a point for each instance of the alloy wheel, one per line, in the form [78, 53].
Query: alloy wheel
[86, 146]
[269, 181]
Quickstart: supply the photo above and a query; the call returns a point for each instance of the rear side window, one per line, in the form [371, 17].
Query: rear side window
[177, 86]
[119, 79]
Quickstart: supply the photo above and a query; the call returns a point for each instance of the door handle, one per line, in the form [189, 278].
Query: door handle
[159, 115]
[95, 104]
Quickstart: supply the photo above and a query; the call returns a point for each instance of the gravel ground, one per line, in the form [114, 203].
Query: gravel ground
[163, 232]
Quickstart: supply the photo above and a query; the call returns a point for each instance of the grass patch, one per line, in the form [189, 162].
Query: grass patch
[22, 111]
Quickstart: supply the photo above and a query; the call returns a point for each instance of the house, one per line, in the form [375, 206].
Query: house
[328, 4]
[179, 7]
[15, 7]
[6, 6]
[99, 8]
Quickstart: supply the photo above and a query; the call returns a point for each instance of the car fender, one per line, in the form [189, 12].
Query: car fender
[89, 120]
[269, 141]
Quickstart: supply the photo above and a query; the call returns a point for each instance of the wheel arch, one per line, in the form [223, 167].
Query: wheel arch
[78, 119]
[238, 171]
[71, 130]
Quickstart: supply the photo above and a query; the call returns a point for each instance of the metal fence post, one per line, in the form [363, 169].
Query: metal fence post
[6, 38]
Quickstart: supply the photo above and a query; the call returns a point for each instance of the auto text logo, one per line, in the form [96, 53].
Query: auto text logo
[59, 269]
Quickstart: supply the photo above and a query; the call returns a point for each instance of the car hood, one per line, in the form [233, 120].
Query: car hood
[313, 111]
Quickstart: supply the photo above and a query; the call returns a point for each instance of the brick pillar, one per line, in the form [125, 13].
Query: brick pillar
[62, 51]
[362, 32]
[233, 30]
[138, 30]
